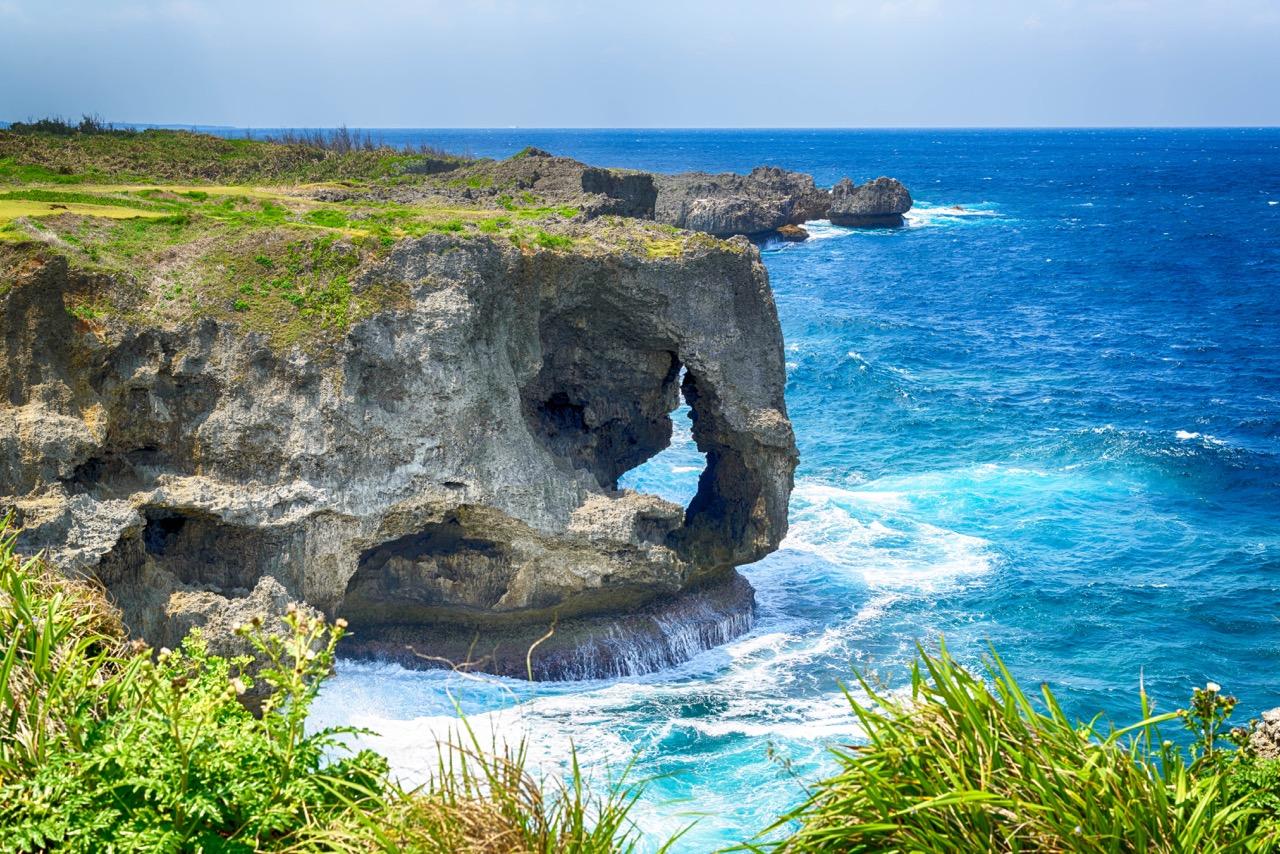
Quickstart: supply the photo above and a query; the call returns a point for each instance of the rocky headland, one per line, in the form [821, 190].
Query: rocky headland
[767, 202]
[399, 389]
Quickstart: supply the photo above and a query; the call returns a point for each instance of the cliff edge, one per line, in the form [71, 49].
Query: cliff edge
[409, 414]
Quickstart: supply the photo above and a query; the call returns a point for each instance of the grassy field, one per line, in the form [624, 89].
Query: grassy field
[165, 156]
[274, 237]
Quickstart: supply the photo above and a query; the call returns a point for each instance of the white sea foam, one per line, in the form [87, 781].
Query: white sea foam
[880, 538]
[866, 533]
[825, 718]
[822, 229]
[923, 214]
[1187, 436]
[751, 701]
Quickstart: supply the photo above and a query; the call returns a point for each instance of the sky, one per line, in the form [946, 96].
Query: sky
[660, 63]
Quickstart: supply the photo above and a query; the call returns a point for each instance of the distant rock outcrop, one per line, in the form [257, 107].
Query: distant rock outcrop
[881, 202]
[770, 200]
[599, 191]
[728, 204]
[527, 180]
[759, 204]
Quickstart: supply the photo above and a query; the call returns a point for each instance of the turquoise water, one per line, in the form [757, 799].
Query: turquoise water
[1049, 420]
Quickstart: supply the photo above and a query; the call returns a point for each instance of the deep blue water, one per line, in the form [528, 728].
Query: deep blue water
[1050, 420]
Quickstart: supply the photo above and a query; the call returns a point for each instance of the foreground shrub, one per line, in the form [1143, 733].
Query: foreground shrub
[967, 765]
[105, 747]
[108, 746]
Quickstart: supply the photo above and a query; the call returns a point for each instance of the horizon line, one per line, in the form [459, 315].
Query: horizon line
[507, 128]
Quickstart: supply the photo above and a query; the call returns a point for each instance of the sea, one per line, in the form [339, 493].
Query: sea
[1041, 419]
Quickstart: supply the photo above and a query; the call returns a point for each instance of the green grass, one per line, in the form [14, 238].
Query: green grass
[566, 211]
[81, 198]
[14, 209]
[11, 171]
[672, 247]
[969, 764]
[117, 244]
[176, 156]
[299, 290]
[327, 217]
[552, 241]
[474, 182]
[234, 252]
[176, 249]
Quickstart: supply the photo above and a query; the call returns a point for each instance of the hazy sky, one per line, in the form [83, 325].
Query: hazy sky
[662, 63]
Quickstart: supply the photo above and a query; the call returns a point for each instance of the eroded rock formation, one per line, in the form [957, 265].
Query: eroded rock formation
[728, 204]
[880, 202]
[774, 201]
[443, 476]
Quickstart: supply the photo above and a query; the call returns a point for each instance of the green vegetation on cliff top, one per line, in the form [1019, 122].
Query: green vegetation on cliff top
[274, 236]
[165, 156]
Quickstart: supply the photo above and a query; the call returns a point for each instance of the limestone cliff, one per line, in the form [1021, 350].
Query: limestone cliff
[438, 465]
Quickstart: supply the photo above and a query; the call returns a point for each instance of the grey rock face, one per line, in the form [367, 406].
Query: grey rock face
[553, 180]
[1265, 738]
[448, 471]
[881, 202]
[724, 205]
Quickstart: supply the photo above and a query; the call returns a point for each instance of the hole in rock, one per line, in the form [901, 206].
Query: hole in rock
[673, 472]
[118, 472]
[161, 531]
[562, 417]
[201, 551]
[440, 565]
[604, 414]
